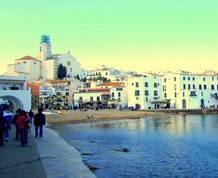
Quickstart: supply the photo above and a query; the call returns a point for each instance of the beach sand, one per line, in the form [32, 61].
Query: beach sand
[77, 116]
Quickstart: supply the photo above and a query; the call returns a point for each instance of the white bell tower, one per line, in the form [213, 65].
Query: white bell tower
[45, 48]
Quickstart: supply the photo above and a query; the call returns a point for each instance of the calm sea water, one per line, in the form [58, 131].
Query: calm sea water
[165, 146]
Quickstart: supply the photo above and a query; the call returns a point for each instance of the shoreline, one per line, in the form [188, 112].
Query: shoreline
[76, 116]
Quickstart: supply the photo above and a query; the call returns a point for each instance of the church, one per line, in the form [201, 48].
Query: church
[46, 65]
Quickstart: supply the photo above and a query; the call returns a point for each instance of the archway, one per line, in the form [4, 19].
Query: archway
[183, 104]
[202, 103]
[14, 103]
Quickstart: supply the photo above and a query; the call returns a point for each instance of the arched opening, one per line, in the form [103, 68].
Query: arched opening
[202, 103]
[13, 103]
[183, 104]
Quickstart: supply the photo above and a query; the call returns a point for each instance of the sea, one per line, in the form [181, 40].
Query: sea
[160, 146]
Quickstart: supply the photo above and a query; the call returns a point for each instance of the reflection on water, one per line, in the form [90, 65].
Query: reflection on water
[165, 146]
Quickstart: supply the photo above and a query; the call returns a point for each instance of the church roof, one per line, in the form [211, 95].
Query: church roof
[27, 58]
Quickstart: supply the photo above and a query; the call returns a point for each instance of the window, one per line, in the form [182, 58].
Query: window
[189, 87]
[146, 98]
[183, 78]
[165, 95]
[193, 86]
[91, 98]
[204, 79]
[193, 78]
[183, 94]
[212, 87]
[205, 87]
[132, 84]
[155, 85]
[146, 84]
[175, 94]
[34, 62]
[213, 78]
[146, 93]
[188, 78]
[137, 84]
[200, 87]
[98, 98]
[155, 93]
[112, 94]
[165, 80]
[119, 94]
[80, 98]
[174, 79]
[137, 93]
[184, 86]
[164, 88]
[174, 86]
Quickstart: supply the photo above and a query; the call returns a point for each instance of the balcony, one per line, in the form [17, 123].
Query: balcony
[192, 93]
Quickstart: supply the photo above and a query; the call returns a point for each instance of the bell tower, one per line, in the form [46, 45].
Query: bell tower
[45, 48]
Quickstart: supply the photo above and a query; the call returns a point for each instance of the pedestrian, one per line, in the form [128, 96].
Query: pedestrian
[3, 125]
[15, 122]
[39, 121]
[7, 116]
[31, 116]
[22, 119]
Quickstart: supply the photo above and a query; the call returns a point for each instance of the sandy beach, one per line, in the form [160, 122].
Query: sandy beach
[77, 116]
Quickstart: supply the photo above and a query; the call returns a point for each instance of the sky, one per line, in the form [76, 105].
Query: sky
[135, 35]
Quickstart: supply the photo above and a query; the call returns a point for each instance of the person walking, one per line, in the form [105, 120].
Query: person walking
[7, 116]
[31, 116]
[15, 122]
[3, 125]
[39, 121]
[23, 130]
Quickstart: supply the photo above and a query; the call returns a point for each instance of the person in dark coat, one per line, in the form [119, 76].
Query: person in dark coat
[31, 115]
[39, 121]
[3, 125]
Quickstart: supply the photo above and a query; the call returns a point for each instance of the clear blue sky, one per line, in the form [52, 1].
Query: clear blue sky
[135, 35]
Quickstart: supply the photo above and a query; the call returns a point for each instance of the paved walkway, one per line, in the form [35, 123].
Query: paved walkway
[20, 162]
[49, 157]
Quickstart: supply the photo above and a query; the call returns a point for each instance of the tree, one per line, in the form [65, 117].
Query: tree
[62, 71]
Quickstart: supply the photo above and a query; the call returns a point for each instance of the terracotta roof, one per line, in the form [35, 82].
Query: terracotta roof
[28, 58]
[113, 84]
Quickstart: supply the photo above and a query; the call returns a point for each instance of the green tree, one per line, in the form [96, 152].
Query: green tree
[62, 71]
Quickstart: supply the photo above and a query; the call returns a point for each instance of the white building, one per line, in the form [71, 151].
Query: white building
[14, 90]
[27, 66]
[103, 94]
[191, 91]
[46, 65]
[145, 91]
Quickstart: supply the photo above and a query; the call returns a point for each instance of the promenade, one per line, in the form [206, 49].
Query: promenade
[49, 157]
[20, 162]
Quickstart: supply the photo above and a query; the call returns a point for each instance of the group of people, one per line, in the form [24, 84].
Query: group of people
[23, 121]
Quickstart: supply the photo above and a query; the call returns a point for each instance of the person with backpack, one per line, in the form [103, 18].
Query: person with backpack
[39, 121]
[21, 122]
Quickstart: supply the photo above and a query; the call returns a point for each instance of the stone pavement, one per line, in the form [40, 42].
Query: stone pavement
[49, 156]
[59, 158]
[20, 162]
